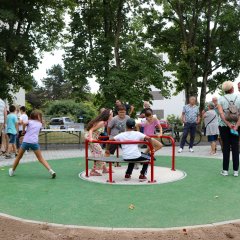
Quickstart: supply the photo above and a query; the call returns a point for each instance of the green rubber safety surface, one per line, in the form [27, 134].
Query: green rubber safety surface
[203, 197]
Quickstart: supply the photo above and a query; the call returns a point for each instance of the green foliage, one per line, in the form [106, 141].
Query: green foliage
[27, 29]
[201, 39]
[107, 45]
[173, 119]
[71, 109]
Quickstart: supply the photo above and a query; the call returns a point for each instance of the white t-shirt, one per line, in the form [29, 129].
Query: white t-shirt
[2, 110]
[23, 117]
[130, 151]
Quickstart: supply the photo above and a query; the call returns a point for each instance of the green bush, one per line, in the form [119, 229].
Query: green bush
[72, 109]
[174, 119]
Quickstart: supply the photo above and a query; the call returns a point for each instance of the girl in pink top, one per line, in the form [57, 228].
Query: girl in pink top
[150, 125]
[30, 141]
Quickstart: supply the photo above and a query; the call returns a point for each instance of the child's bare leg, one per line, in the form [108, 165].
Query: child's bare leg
[14, 148]
[156, 145]
[18, 158]
[41, 159]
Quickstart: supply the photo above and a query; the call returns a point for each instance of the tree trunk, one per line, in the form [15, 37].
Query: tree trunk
[117, 33]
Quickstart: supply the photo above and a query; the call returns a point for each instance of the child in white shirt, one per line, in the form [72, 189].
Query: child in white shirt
[131, 152]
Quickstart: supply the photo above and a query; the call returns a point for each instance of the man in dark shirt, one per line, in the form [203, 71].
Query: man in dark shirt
[129, 108]
[146, 107]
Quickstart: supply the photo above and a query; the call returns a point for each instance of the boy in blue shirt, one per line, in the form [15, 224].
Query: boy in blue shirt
[11, 130]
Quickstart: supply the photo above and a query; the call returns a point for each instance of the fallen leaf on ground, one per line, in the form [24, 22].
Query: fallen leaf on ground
[131, 206]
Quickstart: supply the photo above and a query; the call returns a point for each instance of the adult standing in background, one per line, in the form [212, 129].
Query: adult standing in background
[23, 118]
[146, 107]
[190, 118]
[215, 102]
[229, 106]
[3, 117]
[211, 125]
[129, 108]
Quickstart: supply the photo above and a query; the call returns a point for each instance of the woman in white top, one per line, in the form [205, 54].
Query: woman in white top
[229, 106]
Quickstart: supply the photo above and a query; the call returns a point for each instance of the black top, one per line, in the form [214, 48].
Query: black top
[146, 109]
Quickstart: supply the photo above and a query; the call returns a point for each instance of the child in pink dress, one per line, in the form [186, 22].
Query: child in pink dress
[150, 126]
[95, 128]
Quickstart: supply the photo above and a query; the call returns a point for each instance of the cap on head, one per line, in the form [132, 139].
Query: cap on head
[227, 86]
[130, 123]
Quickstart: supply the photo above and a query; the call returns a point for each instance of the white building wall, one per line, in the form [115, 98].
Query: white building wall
[173, 105]
[19, 98]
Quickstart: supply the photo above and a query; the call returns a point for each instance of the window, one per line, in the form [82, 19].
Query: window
[157, 95]
[159, 113]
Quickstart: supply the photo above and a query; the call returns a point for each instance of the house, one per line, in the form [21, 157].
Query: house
[19, 97]
[163, 107]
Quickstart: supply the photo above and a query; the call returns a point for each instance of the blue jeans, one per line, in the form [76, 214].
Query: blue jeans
[188, 127]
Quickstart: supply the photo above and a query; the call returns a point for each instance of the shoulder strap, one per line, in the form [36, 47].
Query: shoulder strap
[227, 99]
[235, 99]
[211, 121]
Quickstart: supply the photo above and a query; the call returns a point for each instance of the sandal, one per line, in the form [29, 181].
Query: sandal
[117, 165]
[94, 173]
[106, 171]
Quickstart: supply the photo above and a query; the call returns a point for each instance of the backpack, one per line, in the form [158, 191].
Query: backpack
[231, 113]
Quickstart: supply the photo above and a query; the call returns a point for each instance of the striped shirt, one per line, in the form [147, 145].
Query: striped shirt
[2, 110]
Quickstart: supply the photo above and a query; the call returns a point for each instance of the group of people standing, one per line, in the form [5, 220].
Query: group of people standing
[222, 122]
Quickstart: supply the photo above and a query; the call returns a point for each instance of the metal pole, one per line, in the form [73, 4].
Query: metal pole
[86, 156]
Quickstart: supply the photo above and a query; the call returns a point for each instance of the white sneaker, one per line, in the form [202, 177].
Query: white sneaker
[191, 150]
[180, 150]
[224, 173]
[10, 172]
[235, 173]
[53, 174]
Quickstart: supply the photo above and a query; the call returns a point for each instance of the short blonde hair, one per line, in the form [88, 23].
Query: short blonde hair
[227, 86]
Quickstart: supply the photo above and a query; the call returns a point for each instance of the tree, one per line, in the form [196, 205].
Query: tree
[71, 109]
[56, 85]
[201, 39]
[107, 45]
[27, 28]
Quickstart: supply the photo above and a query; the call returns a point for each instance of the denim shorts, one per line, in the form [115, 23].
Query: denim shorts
[27, 146]
[12, 138]
[212, 138]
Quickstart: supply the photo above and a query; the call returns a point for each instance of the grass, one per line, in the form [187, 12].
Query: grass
[202, 197]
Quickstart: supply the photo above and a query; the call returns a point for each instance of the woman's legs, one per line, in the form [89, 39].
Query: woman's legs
[234, 141]
[213, 147]
[18, 158]
[225, 136]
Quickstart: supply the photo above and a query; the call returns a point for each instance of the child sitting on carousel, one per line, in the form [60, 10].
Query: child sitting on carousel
[131, 151]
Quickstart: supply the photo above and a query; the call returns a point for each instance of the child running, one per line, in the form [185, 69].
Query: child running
[150, 126]
[95, 128]
[30, 141]
[131, 151]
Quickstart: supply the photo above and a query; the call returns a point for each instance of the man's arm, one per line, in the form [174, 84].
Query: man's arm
[5, 115]
[131, 110]
[183, 117]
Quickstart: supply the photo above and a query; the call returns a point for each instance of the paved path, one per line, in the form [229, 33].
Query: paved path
[199, 151]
